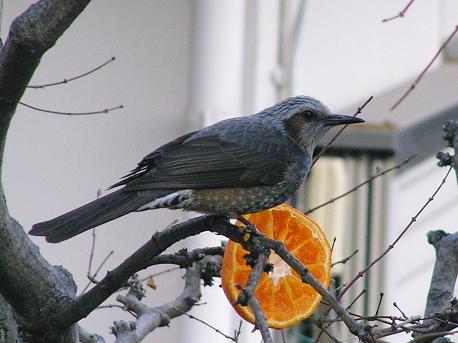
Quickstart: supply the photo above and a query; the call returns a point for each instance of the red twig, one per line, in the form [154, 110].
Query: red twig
[400, 14]
[328, 145]
[413, 85]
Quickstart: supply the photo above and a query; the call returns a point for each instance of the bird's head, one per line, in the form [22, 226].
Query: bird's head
[306, 120]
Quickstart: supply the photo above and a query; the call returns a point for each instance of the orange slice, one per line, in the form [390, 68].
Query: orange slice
[284, 298]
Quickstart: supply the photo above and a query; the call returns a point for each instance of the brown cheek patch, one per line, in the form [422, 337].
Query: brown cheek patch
[294, 127]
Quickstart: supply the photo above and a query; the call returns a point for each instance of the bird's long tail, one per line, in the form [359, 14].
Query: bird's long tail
[88, 216]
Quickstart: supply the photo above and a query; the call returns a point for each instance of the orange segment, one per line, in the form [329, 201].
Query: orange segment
[284, 298]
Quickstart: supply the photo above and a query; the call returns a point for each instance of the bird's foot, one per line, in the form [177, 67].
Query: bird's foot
[250, 228]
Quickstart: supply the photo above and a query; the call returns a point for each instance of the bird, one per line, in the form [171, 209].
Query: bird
[236, 166]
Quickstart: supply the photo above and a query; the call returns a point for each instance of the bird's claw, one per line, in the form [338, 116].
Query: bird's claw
[250, 228]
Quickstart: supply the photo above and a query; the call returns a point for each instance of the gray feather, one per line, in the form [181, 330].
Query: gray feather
[93, 214]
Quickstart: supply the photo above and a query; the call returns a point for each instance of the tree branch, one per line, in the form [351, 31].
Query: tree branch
[443, 279]
[425, 70]
[450, 128]
[8, 325]
[152, 318]
[141, 259]
[249, 298]
[86, 337]
[355, 188]
[29, 284]
[160, 241]
[396, 240]
[400, 14]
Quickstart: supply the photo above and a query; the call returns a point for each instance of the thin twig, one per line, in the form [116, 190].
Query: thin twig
[431, 336]
[379, 304]
[355, 188]
[333, 245]
[328, 145]
[400, 14]
[91, 255]
[399, 309]
[182, 258]
[165, 271]
[92, 278]
[391, 246]
[357, 297]
[319, 324]
[67, 80]
[103, 262]
[346, 259]
[238, 331]
[418, 79]
[190, 316]
[325, 327]
[106, 110]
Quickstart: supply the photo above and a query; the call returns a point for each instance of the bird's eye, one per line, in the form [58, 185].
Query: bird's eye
[307, 114]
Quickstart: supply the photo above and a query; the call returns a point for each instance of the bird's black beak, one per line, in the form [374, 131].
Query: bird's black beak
[340, 119]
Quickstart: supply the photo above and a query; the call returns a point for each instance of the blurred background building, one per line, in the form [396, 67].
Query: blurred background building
[181, 65]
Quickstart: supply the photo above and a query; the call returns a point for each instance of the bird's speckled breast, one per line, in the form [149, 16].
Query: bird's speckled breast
[235, 201]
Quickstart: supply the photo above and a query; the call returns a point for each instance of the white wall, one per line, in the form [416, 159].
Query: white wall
[55, 163]
[347, 54]
[410, 263]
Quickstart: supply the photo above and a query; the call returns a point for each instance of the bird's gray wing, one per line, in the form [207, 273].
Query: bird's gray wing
[234, 153]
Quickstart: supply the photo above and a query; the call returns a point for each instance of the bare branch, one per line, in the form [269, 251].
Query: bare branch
[35, 289]
[364, 291]
[400, 14]
[105, 110]
[249, 298]
[236, 334]
[430, 337]
[308, 277]
[31, 35]
[261, 321]
[346, 259]
[379, 304]
[139, 260]
[451, 137]
[319, 325]
[86, 337]
[152, 318]
[400, 311]
[418, 79]
[67, 80]
[443, 279]
[92, 277]
[355, 188]
[392, 245]
[445, 271]
[101, 264]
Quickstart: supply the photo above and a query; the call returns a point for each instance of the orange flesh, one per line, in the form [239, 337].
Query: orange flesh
[284, 298]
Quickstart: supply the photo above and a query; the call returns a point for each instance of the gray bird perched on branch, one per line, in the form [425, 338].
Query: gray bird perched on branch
[236, 166]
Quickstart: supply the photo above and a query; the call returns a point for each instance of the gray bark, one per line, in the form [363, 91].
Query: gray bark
[29, 284]
[8, 325]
